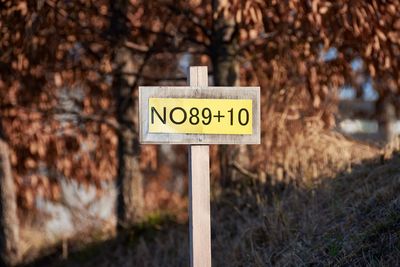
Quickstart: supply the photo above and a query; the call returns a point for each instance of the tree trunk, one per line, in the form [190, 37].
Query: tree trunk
[224, 45]
[129, 176]
[9, 230]
[130, 202]
[386, 118]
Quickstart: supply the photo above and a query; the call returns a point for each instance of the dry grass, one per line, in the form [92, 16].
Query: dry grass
[304, 156]
[346, 212]
[351, 220]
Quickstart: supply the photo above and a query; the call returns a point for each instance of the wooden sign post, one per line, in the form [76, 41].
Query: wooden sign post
[199, 115]
[199, 189]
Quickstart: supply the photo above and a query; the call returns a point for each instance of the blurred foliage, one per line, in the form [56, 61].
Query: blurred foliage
[57, 103]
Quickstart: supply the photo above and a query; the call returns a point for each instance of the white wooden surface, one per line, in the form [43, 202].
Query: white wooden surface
[199, 189]
[200, 91]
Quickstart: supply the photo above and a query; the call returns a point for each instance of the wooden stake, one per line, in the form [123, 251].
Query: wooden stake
[199, 189]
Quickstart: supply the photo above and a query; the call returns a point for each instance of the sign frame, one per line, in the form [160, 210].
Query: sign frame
[200, 92]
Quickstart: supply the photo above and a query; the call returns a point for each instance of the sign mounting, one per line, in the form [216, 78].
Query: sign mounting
[199, 115]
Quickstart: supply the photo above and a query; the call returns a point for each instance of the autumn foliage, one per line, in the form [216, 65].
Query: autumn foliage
[58, 64]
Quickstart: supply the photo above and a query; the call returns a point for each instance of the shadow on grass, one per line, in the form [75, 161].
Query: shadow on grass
[113, 249]
[352, 219]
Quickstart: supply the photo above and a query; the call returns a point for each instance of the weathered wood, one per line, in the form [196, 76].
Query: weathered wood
[199, 165]
[146, 92]
[199, 189]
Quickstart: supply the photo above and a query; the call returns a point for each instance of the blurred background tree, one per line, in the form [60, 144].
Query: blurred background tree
[69, 72]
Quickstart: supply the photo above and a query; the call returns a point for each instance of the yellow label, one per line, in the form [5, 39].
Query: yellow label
[200, 116]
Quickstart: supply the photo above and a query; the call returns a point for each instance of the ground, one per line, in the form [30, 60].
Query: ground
[350, 216]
